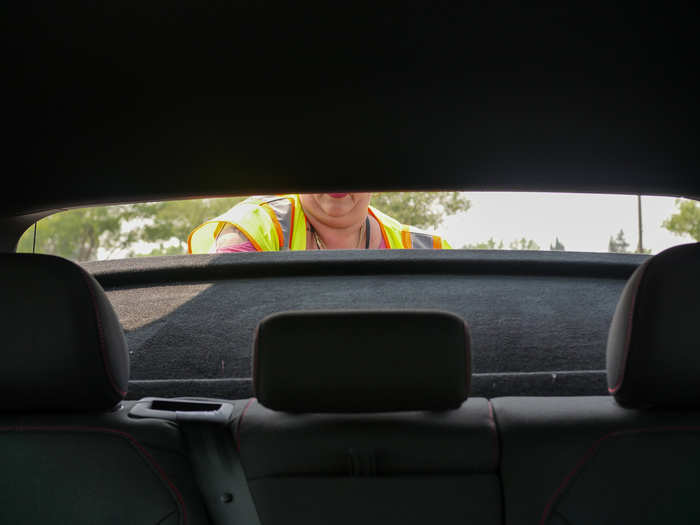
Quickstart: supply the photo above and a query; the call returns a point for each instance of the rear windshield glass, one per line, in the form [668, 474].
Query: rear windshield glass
[442, 220]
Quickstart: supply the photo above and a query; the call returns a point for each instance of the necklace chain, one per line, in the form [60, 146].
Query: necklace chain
[321, 245]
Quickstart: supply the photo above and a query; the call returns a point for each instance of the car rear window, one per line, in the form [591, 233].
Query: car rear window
[466, 220]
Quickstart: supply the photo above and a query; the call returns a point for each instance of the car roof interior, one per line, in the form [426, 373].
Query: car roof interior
[120, 104]
[252, 100]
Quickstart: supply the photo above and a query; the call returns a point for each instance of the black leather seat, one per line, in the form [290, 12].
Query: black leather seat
[634, 458]
[68, 451]
[361, 417]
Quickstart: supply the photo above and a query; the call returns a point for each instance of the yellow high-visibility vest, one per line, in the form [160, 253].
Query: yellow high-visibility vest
[273, 223]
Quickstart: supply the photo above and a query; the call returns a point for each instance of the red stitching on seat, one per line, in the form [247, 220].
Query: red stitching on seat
[467, 355]
[492, 424]
[103, 352]
[238, 424]
[256, 364]
[591, 452]
[131, 439]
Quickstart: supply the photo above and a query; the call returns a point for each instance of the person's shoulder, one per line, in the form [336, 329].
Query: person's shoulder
[255, 205]
[386, 220]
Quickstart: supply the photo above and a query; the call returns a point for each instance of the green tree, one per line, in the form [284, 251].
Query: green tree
[557, 246]
[172, 221]
[524, 244]
[421, 209]
[161, 250]
[491, 244]
[686, 220]
[618, 244]
[78, 234]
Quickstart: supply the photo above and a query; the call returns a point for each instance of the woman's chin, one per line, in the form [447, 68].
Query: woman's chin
[337, 207]
[339, 219]
[334, 211]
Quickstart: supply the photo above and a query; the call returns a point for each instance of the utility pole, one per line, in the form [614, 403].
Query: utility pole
[640, 244]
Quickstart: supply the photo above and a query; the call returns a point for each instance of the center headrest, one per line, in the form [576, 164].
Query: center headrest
[362, 361]
[653, 355]
[63, 347]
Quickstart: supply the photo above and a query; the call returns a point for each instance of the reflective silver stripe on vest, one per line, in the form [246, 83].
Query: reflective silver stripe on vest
[421, 240]
[283, 211]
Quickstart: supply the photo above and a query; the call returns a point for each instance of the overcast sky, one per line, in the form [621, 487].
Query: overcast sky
[583, 222]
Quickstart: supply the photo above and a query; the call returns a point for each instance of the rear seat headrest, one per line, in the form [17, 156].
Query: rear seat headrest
[63, 347]
[653, 355]
[362, 361]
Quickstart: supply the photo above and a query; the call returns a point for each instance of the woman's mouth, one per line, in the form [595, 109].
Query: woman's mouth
[337, 195]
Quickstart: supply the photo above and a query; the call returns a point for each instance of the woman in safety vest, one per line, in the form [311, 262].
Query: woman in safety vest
[306, 222]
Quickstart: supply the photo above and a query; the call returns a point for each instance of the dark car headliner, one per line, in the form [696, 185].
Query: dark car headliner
[129, 105]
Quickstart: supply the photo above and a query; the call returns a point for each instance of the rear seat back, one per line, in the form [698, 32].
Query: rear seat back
[588, 460]
[68, 450]
[633, 458]
[366, 422]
